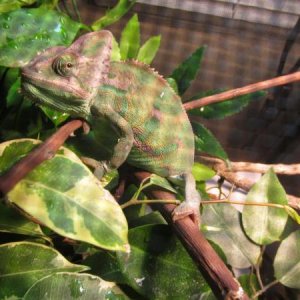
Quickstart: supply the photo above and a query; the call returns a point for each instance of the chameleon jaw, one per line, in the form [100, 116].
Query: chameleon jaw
[41, 96]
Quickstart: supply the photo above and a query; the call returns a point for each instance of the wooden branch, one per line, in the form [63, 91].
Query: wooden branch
[43, 152]
[228, 95]
[221, 280]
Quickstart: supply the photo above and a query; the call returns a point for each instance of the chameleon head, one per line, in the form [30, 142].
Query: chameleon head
[66, 79]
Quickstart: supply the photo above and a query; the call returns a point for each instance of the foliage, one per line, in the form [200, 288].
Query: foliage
[64, 215]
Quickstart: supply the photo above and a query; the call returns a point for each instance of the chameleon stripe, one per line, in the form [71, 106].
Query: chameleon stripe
[163, 137]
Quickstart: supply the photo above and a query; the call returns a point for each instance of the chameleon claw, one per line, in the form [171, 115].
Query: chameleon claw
[86, 127]
[100, 167]
[186, 210]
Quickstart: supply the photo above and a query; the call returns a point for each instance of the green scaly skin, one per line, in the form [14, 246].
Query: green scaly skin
[152, 128]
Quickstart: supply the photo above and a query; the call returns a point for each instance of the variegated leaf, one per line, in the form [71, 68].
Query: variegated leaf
[23, 263]
[65, 196]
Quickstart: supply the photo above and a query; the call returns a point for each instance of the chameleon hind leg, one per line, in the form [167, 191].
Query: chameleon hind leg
[191, 205]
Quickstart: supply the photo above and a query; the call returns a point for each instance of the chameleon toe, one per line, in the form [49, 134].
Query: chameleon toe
[185, 210]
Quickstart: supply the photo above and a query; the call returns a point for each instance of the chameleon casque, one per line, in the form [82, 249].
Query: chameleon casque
[153, 129]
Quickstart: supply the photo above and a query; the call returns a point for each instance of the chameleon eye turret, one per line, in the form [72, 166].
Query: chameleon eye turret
[63, 65]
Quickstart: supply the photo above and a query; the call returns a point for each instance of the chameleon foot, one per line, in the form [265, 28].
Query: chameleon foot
[191, 205]
[100, 167]
[185, 210]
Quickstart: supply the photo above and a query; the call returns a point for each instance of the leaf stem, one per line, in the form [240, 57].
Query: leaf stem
[243, 203]
[257, 266]
[263, 290]
[137, 202]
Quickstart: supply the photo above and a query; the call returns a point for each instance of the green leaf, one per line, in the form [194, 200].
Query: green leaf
[250, 284]
[105, 264]
[114, 14]
[110, 179]
[130, 39]
[292, 213]
[13, 222]
[50, 4]
[148, 51]
[173, 84]
[161, 182]
[188, 69]
[153, 217]
[25, 32]
[264, 224]
[29, 262]
[222, 226]
[202, 172]
[69, 286]
[287, 261]
[226, 108]
[158, 266]
[55, 116]
[14, 96]
[207, 143]
[9, 5]
[65, 196]
[115, 52]
[156, 254]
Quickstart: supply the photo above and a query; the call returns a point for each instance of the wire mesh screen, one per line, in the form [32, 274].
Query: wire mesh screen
[245, 42]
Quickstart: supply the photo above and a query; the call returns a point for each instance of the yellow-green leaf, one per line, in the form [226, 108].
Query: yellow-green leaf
[148, 51]
[130, 39]
[202, 172]
[114, 14]
[65, 196]
[9, 5]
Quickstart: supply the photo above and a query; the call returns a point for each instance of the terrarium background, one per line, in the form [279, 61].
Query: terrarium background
[245, 39]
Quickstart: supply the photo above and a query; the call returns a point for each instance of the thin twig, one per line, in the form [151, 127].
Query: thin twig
[228, 95]
[149, 201]
[283, 169]
[266, 287]
[229, 173]
[248, 203]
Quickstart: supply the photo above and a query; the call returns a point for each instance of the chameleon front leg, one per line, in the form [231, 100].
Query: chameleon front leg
[125, 141]
[191, 205]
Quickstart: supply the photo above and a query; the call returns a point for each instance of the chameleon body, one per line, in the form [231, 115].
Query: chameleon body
[153, 129]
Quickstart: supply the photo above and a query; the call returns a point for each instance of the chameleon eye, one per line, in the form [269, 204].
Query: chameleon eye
[63, 66]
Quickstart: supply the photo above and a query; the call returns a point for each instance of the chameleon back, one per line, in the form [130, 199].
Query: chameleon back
[163, 136]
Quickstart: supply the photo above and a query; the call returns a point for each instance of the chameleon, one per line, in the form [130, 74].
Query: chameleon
[146, 115]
